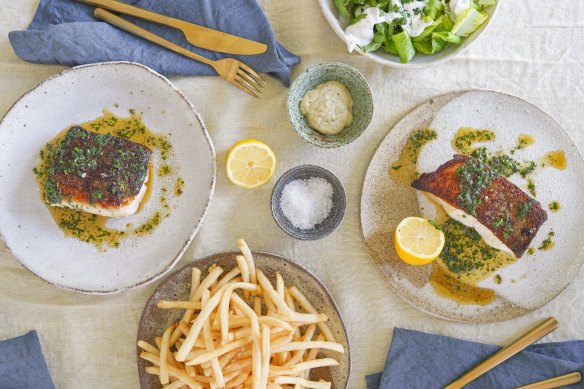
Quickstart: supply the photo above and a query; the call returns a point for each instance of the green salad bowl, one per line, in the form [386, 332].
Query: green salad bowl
[357, 86]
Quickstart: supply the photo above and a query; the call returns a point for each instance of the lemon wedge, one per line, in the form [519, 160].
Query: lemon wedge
[417, 241]
[250, 163]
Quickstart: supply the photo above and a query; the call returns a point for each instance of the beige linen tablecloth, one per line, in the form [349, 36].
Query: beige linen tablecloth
[534, 49]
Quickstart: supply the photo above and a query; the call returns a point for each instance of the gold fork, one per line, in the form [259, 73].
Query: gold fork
[231, 70]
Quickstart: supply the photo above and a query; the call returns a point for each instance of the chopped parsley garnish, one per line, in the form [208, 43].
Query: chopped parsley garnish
[554, 206]
[474, 177]
[531, 187]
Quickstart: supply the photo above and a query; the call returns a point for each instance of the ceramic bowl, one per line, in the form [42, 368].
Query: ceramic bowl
[360, 93]
[330, 223]
[176, 286]
[339, 23]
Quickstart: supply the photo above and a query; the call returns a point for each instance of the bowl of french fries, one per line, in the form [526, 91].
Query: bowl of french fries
[242, 320]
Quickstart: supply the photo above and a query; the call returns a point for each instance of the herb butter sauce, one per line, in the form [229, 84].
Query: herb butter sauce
[92, 228]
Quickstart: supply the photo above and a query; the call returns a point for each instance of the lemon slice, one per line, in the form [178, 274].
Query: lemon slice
[417, 241]
[250, 163]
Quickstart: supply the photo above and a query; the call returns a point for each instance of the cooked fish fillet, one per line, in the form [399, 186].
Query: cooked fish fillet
[99, 174]
[472, 193]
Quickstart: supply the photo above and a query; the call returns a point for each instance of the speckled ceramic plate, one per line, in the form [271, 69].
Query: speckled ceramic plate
[534, 279]
[176, 286]
[76, 96]
[357, 86]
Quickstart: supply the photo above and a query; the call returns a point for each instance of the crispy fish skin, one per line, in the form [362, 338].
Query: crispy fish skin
[94, 169]
[507, 211]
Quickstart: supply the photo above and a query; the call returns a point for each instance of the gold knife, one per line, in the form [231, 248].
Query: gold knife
[530, 337]
[199, 36]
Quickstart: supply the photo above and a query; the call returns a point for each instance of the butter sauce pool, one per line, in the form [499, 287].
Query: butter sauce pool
[91, 228]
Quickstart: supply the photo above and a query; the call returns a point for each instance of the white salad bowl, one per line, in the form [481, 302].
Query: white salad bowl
[339, 23]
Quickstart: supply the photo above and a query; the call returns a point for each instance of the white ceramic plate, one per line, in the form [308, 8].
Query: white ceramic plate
[534, 279]
[79, 95]
[339, 23]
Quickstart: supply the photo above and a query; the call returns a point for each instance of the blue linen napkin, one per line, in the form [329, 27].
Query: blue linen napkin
[65, 32]
[418, 360]
[22, 365]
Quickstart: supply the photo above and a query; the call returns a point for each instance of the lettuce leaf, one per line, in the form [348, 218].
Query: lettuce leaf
[468, 22]
[436, 42]
[486, 3]
[342, 6]
[371, 46]
[429, 30]
[446, 24]
[389, 47]
[404, 46]
[433, 9]
[447, 37]
[430, 46]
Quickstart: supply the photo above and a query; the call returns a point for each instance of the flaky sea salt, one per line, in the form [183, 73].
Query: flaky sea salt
[307, 202]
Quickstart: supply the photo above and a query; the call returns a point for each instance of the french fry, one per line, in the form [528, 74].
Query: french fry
[217, 373]
[302, 366]
[249, 259]
[214, 273]
[164, 348]
[175, 385]
[285, 380]
[219, 351]
[292, 346]
[197, 327]
[289, 300]
[181, 375]
[148, 347]
[297, 357]
[280, 288]
[256, 349]
[224, 306]
[243, 268]
[230, 275]
[238, 380]
[305, 304]
[226, 358]
[165, 304]
[188, 315]
[266, 353]
[257, 305]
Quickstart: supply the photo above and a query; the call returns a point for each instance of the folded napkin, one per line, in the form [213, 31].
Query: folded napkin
[65, 32]
[22, 365]
[422, 361]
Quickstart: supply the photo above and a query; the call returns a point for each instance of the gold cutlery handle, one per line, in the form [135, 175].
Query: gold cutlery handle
[117, 21]
[556, 382]
[505, 353]
[131, 10]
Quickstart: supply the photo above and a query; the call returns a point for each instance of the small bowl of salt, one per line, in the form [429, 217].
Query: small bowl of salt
[308, 202]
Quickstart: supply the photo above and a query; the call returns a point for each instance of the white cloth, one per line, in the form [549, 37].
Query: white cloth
[533, 49]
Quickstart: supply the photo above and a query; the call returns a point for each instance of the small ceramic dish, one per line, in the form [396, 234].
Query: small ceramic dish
[330, 223]
[360, 93]
[176, 286]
